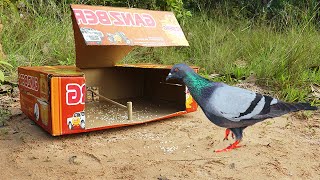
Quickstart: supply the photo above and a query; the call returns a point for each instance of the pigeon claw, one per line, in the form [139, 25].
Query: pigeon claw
[229, 148]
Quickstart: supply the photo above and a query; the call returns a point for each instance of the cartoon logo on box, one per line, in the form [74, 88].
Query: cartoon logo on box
[75, 95]
[91, 35]
[118, 37]
[78, 120]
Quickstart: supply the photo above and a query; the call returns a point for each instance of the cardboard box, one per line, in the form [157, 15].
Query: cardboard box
[68, 99]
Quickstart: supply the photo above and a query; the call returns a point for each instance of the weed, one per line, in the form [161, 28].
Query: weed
[281, 55]
[4, 115]
[268, 123]
[3, 66]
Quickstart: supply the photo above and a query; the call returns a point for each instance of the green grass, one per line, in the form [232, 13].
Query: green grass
[282, 61]
[43, 41]
[281, 58]
[4, 115]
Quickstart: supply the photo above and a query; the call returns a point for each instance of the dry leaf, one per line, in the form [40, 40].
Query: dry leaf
[315, 88]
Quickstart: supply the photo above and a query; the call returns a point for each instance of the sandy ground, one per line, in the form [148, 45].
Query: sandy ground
[178, 148]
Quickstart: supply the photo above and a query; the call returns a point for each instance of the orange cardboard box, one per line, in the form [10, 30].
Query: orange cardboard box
[97, 93]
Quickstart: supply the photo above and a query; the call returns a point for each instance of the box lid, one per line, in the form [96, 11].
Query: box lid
[104, 35]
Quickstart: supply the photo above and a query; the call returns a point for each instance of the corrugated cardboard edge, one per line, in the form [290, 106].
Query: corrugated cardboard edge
[56, 106]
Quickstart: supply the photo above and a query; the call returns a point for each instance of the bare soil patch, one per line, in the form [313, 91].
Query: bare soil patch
[177, 148]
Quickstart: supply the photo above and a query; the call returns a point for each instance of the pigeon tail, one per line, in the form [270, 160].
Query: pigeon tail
[281, 108]
[292, 107]
[307, 106]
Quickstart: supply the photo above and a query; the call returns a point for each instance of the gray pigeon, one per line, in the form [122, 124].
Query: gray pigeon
[231, 107]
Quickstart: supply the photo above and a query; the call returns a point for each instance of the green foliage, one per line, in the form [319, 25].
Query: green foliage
[31, 39]
[177, 7]
[278, 12]
[278, 41]
[3, 65]
[281, 60]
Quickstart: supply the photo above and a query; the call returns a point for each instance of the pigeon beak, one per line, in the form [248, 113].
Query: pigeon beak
[169, 76]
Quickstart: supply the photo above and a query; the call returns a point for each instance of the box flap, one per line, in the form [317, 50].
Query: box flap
[104, 35]
[151, 66]
[59, 71]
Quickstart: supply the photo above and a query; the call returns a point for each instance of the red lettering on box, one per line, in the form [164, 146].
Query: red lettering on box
[138, 19]
[75, 94]
[118, 21]
[103, 17]
[128, 19]
[149, 21]
[81, 19]
[116, 18]
[29, 82]
[91, 17]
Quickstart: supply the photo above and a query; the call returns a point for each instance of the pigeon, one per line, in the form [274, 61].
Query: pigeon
[231, 107]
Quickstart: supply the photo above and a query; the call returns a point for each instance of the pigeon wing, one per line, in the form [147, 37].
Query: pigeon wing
[237, 104]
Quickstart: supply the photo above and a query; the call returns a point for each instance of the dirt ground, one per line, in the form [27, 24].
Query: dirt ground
[177, 148]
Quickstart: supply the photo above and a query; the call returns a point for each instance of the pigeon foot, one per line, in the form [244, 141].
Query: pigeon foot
[229, 148]
[227, 135]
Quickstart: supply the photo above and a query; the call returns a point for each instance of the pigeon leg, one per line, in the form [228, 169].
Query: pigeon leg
[227, 135]
[229, 148]
[238, 134]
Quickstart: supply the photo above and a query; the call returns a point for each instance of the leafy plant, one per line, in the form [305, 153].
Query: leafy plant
[277, 40]
[3, 65]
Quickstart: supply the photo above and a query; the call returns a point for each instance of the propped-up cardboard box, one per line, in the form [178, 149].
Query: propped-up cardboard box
[97, 93]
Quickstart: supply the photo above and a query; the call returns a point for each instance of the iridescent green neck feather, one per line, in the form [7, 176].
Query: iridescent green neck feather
[196, 83]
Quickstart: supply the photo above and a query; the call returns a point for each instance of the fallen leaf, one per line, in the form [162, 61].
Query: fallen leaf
[211, 76]
[315, 88]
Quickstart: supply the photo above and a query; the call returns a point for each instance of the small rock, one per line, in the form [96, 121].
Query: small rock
[33, 158]
[232, 166]
[15, 111]
[47, 159]
[15, 92]
[251, 79]
[5, 88]
[72, 160]
[162, 178]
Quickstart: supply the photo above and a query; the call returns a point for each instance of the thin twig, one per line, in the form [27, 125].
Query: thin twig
[109, 100]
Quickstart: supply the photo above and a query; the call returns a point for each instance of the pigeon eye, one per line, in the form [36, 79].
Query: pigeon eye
[176, 70]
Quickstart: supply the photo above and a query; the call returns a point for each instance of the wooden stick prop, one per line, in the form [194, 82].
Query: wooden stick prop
[128, 107]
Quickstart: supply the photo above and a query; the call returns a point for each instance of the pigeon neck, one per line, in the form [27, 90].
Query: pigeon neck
[196, 83]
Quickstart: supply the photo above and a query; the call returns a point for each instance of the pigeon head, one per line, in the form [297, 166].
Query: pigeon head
[179, 71]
